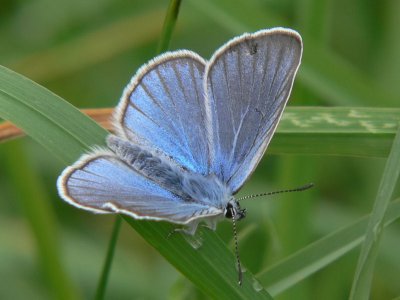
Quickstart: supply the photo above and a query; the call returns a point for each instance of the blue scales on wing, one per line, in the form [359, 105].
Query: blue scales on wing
[188, 133]
[248, 82]
[163, 109]
[103, 182]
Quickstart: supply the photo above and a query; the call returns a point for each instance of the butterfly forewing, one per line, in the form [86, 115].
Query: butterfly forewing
[163, 108]
[248, 82]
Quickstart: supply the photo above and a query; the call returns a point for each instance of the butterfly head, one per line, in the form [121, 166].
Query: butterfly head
[233, 210]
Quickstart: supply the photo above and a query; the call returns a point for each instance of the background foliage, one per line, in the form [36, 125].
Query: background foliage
[86, 51]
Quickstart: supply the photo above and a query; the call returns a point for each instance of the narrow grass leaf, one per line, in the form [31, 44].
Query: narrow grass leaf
[369, 251]
[336, 131]
[211, 259]
[102, 284]
[169, 24]
[340, 131]
[316, 256]
[48, 119]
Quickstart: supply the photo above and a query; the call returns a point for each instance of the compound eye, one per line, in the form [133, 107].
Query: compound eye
[228, 211]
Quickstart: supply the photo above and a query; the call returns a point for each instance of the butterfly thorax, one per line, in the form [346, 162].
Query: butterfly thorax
[190, 186]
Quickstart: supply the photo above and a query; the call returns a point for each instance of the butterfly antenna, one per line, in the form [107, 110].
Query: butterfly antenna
[239, 267]
[298, 189]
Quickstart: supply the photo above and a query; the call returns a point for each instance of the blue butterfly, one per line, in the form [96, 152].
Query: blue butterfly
[189, 133]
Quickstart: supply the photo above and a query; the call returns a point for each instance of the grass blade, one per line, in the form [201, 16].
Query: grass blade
[336, 131]
[46, 117]
[369, 251]
[101, 286]
[319, 254]
[340, 131]
[211, 260]
[169, 24]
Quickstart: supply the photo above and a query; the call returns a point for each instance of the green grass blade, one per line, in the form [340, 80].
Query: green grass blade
[67, 133]
[169, 24]
[211, 260]
[336, 131]
[23, 102]
[369, 251]
[101, 286]
[46, 117]
[339, 131]
[319, 254]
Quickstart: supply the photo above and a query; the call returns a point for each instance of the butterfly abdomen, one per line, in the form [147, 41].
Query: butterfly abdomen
[147, 164]
[191, 187]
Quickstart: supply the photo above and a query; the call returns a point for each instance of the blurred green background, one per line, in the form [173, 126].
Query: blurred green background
[86, 52]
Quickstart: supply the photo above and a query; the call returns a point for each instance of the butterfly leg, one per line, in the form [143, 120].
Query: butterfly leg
[190, 229]
[211, 224]
[173, 231]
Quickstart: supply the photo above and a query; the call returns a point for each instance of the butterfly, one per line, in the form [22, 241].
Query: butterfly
[189, 133]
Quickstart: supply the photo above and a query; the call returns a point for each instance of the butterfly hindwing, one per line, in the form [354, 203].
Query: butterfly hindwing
[104, 183]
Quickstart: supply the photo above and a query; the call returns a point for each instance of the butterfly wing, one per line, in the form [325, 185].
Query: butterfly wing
[247, 83]
[103, 183]
[163, 109]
